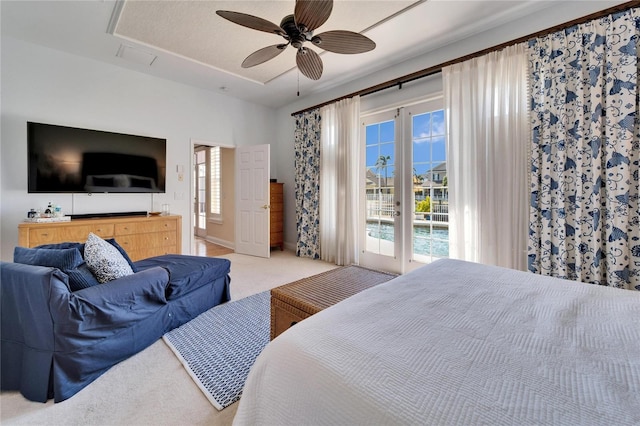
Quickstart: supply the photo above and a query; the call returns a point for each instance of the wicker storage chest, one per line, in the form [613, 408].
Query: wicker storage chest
[293, 302]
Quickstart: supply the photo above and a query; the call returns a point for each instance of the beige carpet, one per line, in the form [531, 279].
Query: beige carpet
[152, 387]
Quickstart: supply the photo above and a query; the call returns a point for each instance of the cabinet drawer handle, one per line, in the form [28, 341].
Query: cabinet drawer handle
[45, 234]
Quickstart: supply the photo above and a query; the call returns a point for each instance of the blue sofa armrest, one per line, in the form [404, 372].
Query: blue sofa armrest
[103, 310]
[27, 331]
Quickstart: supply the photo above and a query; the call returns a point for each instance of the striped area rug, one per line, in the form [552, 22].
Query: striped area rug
[218, 347]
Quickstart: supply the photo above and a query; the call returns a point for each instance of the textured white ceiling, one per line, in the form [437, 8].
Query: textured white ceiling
[191, 29]
[85, 28]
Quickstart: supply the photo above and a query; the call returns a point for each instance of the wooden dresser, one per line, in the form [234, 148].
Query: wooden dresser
[277, 208]
[140, 236]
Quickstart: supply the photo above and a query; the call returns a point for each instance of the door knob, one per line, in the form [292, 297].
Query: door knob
[265, 207]
[397, 213]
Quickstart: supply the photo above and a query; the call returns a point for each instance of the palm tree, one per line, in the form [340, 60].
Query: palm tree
[417, 179]
[382, 164]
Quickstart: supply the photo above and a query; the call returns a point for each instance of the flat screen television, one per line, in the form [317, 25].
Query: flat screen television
[69, 159]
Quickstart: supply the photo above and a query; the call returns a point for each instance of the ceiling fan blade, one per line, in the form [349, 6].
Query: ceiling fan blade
[312, 13]
[309, 63]
[263, 55]
[250, 21]
[340, 41]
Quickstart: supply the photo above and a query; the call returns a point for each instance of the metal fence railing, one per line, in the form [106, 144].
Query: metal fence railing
[381, 206]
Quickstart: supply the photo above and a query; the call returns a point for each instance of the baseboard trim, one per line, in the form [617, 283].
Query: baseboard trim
[224, 243]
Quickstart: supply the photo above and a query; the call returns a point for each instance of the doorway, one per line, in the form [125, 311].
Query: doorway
[213, 194]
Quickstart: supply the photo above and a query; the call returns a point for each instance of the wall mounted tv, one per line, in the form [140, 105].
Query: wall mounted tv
[68, 159]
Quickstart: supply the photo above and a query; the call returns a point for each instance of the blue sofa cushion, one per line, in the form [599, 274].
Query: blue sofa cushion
[80, 246]
[187, 273]
[105, 261]
[66, 258]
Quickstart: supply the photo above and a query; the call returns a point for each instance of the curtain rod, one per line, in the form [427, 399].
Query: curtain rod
[438, 68]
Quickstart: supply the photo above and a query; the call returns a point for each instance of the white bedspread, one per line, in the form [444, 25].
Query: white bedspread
[456, 343]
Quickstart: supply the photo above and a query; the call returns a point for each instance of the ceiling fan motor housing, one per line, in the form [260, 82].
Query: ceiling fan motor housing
[296, 35]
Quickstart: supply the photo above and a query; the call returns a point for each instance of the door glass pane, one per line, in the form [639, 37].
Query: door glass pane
[215, 181]
[202, 196]
[380, 168]
[199, 188]
[431, 198]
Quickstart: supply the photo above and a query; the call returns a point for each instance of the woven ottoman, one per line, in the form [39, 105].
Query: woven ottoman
[293, 302]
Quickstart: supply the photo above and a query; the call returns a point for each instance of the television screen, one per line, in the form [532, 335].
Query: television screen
[69, 159]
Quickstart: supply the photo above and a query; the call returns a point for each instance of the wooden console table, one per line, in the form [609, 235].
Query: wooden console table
[140, 236]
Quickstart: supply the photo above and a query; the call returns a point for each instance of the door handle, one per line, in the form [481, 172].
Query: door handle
[397, 213]
[265, 206]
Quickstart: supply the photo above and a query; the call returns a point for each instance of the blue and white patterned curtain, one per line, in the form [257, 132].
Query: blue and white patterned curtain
[307, 191]
[585, 215]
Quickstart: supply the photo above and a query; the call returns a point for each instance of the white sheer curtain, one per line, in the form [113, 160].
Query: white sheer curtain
[339, 160]
[488, 135]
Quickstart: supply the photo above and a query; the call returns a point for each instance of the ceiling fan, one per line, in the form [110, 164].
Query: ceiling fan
[297, 29]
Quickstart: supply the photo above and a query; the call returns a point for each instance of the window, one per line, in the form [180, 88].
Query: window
[215, 209]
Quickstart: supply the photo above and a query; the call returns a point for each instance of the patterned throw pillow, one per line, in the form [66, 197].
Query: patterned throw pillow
[124, 254]
[104, 260]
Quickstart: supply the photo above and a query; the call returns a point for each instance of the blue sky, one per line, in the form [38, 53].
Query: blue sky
[428, 138]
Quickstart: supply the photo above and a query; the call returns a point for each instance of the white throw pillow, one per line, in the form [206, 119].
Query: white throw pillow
[104, 260]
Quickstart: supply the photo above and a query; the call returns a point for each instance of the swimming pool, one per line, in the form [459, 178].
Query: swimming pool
[426, 241]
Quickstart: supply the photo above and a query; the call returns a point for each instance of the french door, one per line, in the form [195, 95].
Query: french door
[404, 214]
[200, 192]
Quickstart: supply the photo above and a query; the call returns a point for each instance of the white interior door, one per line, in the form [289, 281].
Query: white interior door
[252, 200]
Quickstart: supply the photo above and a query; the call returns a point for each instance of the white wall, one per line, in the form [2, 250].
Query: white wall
[559, 13]
[44, 85]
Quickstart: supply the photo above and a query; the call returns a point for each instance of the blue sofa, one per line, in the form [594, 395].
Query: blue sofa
[55, 341]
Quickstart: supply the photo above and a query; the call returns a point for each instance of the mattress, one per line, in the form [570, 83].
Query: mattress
[456, 343]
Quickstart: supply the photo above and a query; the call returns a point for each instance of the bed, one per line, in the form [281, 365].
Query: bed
[456, 343]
